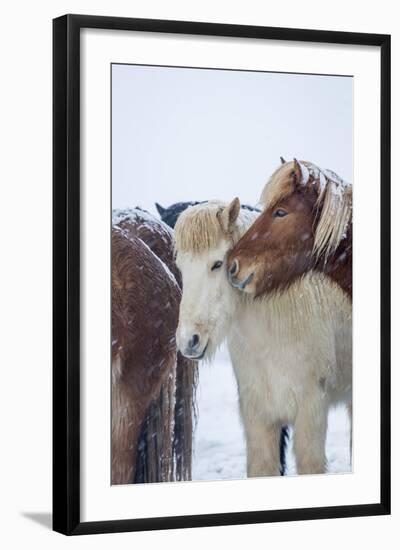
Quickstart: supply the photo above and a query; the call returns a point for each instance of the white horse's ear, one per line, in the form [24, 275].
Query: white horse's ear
[229, 214]
[283, 161]
[300, 173]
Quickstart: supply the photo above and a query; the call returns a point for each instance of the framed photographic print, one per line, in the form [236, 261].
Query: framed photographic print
[219, 357]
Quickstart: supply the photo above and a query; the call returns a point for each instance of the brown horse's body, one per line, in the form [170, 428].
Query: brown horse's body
[306, 225]
[152, 388]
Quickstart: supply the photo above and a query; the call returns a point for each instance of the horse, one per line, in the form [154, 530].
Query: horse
[306, 225]
[170, 214]
[305, 231]
[159, 237]
[157, 392]
[291, 352]
[277, 346]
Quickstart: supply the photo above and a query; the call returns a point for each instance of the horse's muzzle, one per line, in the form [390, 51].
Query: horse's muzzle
[240, 284]
[193, 346]
[194, 354]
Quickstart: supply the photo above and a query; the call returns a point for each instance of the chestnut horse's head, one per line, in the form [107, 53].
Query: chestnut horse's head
[306, 211]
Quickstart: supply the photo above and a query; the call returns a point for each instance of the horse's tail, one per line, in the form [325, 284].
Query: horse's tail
[164, 451]
[283, 442]
[155, 454]
[185, 417]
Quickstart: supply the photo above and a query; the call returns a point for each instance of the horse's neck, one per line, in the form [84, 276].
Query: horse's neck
[243, 337]
[259, 324]
[284, 317]
[339, 266]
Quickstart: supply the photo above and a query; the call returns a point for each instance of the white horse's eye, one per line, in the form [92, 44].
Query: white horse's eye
[216, 265]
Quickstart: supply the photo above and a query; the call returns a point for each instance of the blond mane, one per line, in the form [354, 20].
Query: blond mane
[334, 195]
[199, 227]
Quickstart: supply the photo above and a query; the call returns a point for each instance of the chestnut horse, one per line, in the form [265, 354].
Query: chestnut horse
[153, 401]
[306, 225]
[291, 353]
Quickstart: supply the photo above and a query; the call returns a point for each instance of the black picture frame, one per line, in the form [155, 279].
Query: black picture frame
[66, 273]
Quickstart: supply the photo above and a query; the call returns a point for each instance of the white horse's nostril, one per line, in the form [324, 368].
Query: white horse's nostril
[194, 342]
[234, 267]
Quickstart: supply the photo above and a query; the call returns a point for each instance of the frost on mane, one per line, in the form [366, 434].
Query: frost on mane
[305, 174]
[324, 177]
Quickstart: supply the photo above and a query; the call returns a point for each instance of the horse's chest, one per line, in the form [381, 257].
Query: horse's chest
[263, 378]
[274, 391]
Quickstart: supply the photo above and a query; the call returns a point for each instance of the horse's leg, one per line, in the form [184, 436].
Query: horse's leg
[349, 408]
[283, 443]
[310, 435]
[263, 449]
[262, 441]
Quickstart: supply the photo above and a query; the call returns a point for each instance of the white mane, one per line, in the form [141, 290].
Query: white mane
[199, 227]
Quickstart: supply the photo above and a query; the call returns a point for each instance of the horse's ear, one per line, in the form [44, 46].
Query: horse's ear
[301, 175]
[229, 214]
[283, 161]
[160, 209]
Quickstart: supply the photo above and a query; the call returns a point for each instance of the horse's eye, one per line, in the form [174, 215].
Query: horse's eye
[280, 213]
[216, 265]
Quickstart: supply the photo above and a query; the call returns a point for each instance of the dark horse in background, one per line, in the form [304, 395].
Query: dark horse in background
[170, 215]
[153, 386]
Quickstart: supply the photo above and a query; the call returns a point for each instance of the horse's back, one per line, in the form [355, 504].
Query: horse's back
[155, 233]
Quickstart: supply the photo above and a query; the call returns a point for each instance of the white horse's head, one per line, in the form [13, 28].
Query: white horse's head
[203, 236]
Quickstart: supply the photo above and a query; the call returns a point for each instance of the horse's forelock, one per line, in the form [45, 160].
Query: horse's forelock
[278, 187]
[198, 228]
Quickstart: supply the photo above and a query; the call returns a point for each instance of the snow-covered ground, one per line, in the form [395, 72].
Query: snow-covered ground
[219, 449]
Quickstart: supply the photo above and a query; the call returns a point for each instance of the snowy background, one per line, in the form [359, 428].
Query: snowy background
[197, 134]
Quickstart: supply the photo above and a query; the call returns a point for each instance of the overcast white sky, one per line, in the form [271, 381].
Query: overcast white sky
[195, 134]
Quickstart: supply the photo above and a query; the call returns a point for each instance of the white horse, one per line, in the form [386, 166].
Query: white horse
[291, 352]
